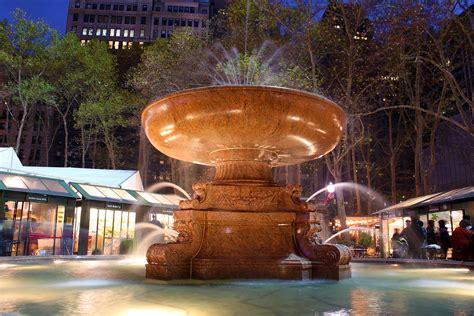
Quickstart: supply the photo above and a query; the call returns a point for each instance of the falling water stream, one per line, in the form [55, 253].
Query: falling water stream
[347, 230]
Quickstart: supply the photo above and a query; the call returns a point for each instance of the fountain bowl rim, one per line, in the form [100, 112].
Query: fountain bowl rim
[244, 87]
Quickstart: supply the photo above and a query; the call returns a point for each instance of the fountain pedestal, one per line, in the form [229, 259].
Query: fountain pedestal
[245, 232]
[243, 225]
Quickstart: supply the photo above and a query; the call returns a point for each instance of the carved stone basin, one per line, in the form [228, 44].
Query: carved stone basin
[242, 224]
[243, 130]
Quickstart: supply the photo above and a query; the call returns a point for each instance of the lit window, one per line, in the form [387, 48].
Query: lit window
[111, 44]
[112, 32]
[132, 33]
[104, 32]
[130, 44]
[124, 45]
[91, 31]
[84, 31]
[116, 44]
[117, 33]
[125, 33]
[142, 33]
[97, 32]
[83, 42]
[141, 44]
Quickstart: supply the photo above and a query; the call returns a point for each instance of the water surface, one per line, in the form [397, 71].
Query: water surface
[119, 288]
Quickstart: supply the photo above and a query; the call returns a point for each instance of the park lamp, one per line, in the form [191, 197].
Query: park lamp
[330, 188]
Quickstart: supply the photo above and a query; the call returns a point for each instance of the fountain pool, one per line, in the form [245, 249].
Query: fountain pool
[118, 287]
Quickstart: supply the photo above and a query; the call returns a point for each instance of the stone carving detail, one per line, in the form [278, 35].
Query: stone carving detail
[199, 196]
[184, 249]
[254, 198]
[331, 255]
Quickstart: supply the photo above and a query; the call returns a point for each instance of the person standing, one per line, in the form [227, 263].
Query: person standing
[444, 240]
[430, 233]
[415, 238]
[462, 241]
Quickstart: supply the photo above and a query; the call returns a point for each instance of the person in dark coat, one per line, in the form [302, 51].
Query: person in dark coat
[415, 238]
[444, 240]
[430, 233]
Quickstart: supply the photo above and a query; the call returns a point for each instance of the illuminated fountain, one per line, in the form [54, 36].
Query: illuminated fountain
[242, 224]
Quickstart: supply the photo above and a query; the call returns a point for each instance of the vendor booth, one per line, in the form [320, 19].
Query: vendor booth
[106, 217]
[450, 206]
[37, 217]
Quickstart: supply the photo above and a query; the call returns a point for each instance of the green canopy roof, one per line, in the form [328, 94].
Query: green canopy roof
[125, 196]
[33, 184]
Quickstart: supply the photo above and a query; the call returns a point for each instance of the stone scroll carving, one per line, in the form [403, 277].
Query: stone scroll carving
[185, 248]
[331, 255]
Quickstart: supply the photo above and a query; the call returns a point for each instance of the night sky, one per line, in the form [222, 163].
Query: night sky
[54, 12]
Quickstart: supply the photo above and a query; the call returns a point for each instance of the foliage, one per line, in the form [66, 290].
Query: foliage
[168, 65]
[24, 56]
[365, 240]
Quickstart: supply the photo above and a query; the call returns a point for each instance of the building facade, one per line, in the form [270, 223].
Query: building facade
[122, 22]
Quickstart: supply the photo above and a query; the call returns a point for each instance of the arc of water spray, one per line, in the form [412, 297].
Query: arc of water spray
[161, 185]
[346, 230]
[351, 185]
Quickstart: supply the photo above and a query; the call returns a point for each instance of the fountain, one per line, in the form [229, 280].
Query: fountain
[242, 225]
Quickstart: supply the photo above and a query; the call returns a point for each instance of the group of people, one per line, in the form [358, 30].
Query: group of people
[415, 241]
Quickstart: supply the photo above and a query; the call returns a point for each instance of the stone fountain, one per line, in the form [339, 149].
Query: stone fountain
[243, 225]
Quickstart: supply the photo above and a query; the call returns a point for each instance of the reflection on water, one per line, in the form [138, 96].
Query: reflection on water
[119, 288]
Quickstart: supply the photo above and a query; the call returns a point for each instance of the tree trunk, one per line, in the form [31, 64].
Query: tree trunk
[369, 179]
[418, 155]
[66, 140]
[355, 179]
[393, 178]
[20, 130]
[110, 148]
[83, 147]
[94, 152]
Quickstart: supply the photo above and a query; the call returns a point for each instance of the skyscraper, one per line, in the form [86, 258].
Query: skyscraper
[122, 22]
